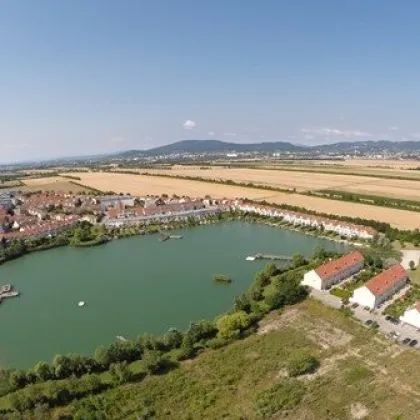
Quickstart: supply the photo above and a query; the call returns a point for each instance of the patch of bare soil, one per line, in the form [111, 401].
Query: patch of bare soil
[358, 411]
[326, 336]
[277, 321]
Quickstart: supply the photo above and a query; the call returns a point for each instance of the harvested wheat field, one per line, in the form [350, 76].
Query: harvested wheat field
[153, 185]
[142, 185]
[303, 181]
[57, 184]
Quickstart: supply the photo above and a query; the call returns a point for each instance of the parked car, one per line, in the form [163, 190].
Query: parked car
[406, 341]
[388, 318]
[355, 305]
[369, 322]
[366, 308]
[413, 343]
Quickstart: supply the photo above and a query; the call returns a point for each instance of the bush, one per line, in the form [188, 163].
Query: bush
[283, 396]
[301, 363]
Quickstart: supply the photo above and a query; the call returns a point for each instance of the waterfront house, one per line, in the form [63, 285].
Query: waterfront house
[116, 201]
[334, 271]
[381, 287]
[412, 315]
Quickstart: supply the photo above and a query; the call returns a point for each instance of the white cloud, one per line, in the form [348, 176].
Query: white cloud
[333, 132]
[393, 128]
[230, 134]
[211, 133]
[189, 125]
[415, 135]
[309, 137]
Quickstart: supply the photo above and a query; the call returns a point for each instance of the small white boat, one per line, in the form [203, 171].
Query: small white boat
[82, 303]
[250, 258]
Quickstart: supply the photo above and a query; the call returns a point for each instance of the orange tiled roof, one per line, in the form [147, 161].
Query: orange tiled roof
[334, 267]
[384, 281]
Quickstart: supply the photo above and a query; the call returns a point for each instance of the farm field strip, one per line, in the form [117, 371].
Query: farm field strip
[143, 185]
[304, 182]
[283, 179]
[58, 184]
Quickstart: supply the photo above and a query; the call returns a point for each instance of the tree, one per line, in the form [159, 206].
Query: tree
[187, 348]
[318, 253]
[120, 373]
[412, 265]
[43, 371]
[17, 379]
[231, 325]
[298, 260]
[242, 303]
[153, 361]
[173, 338]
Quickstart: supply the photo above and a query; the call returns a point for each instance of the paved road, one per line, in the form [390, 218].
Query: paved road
[385, 327]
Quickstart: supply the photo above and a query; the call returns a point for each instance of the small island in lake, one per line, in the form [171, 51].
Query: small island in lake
[222, 278]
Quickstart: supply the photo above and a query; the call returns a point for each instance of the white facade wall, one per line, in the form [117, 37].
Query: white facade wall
[312, 279]
[412, 317]
[364, 297]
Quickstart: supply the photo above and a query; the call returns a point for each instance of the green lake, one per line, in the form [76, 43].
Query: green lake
[131, 286]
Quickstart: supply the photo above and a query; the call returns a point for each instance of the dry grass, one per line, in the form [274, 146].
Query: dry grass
[142, 185]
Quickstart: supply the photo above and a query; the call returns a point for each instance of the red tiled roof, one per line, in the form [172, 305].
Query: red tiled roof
[334, 267]
[384, 281]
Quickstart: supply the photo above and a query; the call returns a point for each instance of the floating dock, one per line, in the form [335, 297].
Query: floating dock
[269, 257]
[164, 237]
[7, 291]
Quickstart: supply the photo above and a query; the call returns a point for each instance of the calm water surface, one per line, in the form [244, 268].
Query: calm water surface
[131, 286]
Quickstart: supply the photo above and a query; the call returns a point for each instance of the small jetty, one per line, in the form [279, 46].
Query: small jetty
[164, 237]
[269, 257]
[222, 278]
[7, 291]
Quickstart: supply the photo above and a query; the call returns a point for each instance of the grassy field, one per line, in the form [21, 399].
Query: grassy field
[155, 185]
[361, 376]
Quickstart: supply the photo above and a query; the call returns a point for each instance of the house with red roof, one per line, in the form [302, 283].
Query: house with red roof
[412, 315]
[334, 271]
[381, 287]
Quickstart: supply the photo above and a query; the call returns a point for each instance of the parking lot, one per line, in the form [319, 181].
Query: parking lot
[402, 331]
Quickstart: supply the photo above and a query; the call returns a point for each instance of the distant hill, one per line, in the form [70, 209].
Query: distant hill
[218, 146]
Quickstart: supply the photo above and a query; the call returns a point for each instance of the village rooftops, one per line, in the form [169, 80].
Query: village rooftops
[334, 267]
[386, 280]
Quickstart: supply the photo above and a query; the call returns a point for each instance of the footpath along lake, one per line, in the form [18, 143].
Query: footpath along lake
[131, 286]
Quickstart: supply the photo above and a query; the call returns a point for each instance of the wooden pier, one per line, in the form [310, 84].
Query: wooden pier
[7, 291]
[269, 257]
[164, 237]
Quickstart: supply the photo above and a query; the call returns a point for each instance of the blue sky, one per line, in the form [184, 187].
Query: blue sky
[84, 76]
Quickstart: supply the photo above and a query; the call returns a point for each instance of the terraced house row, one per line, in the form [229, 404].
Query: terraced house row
[348, 230]
[372, 294]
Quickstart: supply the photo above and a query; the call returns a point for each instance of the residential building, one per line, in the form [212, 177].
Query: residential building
[117, 200]
[334, 271]
[381, 287]
[412, 315]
